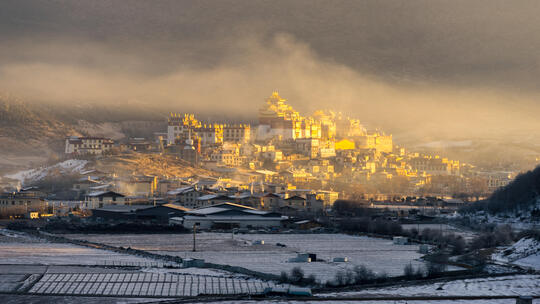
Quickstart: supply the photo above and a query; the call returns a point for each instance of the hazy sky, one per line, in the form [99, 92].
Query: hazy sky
[428, 66]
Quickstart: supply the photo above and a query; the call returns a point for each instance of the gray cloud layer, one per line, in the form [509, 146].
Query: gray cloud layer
[437, 67]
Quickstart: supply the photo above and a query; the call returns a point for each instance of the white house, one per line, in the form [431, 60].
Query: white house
[99, 199]
[88, 145]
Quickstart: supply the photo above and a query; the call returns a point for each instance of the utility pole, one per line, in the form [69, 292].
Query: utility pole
[194, 232]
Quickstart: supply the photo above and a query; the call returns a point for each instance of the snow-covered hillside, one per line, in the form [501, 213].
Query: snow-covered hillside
[525, 253]
[66, 167]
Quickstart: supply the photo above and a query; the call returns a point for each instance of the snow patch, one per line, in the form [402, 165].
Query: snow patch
[65, 167]
[525, 252]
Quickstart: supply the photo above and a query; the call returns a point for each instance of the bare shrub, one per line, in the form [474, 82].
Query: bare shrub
[284, 277]
[382, 277]
[435, 269]
[310, 280]
[408, 271]
[340, 279]
[362, 274]
[297, 275]
[419, 272]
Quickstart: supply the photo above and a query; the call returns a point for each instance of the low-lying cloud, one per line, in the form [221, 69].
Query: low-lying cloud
[252, 67]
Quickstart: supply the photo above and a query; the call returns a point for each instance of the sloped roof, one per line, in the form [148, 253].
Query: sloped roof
[241, 195]
[105, 186]
[207, 197]
[32, 188]
[213, 196]
[207, 210]
[233, 206]
[295, 197]
[180, 190]
[225, 207]
[124, 208]
[177, 207]
[104, 193]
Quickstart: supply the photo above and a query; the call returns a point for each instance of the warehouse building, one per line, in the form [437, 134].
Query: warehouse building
[228, 215]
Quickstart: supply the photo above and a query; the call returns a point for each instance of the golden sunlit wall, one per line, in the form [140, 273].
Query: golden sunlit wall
[345, 145]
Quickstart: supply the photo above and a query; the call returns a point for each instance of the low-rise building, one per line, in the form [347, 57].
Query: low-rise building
[100, 199]
[20, 203]
[237, 133]
[297, 202]
[271, 201]
[228, 215]
[161, 213]
[497, 180]
[117, 212]
[138, 186]
[210, 200]
[88, 145]
[328, 197]
[227, 155]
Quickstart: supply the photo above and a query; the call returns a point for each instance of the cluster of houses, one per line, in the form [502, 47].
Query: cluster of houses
[289, 201]
[26, 202]
[219, 216]
[326, 150]
[109, 205]
[208, 192]
[288, 163]
[97, 189]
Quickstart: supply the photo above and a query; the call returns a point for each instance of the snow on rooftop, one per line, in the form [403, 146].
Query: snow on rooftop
[85, 172]
[228, 206]
[258, 212]
[242, 195]
[180, 190]
[100, 187]
[208, 210]
[124, 208]
[207, 197]
[96, 193]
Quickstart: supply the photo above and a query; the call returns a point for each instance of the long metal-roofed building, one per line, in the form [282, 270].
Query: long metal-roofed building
[229, 215]
[158, 214]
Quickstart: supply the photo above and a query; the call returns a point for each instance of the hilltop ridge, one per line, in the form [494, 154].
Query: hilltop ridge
[31, 133]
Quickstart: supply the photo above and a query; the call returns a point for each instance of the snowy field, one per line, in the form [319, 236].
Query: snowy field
[491, 301]
[34, 266]
[532, 261]
[524, 253]
[19, 248]
[379, 255]
[38, 299]
[514, 285]
[65, 254]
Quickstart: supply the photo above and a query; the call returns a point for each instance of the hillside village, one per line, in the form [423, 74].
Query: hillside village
[287, 162]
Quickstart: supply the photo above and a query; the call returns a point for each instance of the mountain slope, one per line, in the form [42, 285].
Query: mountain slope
[522, 194]
[30, 133]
